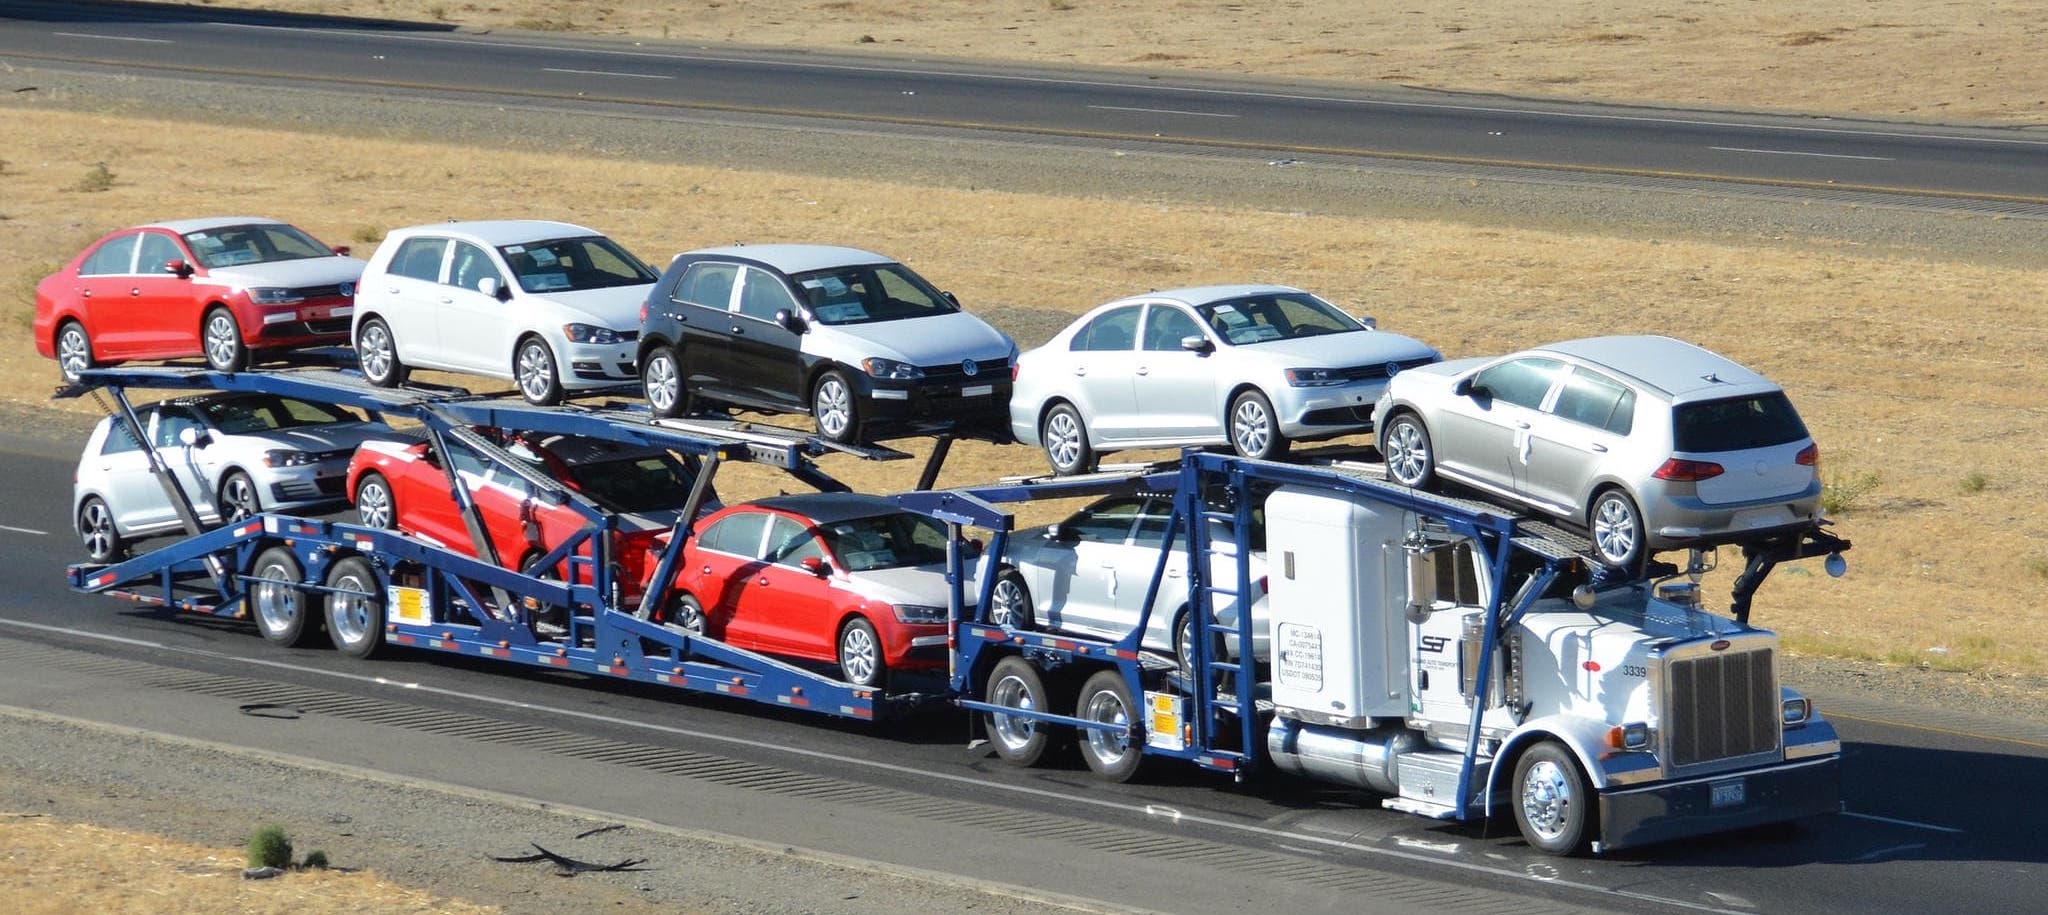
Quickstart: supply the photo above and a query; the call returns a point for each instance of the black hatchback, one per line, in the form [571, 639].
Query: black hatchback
[858, 341]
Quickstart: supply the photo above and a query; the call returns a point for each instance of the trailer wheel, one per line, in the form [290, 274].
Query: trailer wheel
[1010, 602]
[860, 654]
[1014, 683]
[355, 609]
[1114, 755]
[275, 602]
[97, 531]
[1552, 800]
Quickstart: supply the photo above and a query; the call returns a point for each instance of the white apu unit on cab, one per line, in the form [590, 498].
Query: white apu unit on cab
[1621, 714]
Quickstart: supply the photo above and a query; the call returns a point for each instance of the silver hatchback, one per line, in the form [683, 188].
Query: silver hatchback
[1650, 442]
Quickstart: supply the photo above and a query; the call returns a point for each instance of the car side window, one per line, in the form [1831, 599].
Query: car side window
[790, 542]
[472, 265]
[1107, 522]
[764, 295]
[1166, 326]
[466, 461]
[707, 285]
[156, 248]
[1111, 330]
[1522, 382]
[120, 440]
[420, 258]
[739, 534]
[1154, 518]
[169, 422]
[115, 257]
[1596, 400]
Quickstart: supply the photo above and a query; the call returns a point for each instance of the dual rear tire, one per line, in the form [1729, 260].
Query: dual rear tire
[1114, 754]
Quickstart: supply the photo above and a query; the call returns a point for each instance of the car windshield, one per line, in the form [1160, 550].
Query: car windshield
[1275, 316]
[574, 264]
[236, 246]
[886, 542]
[655, 482]
[870, 293]
[1736, 424]
[266, 413]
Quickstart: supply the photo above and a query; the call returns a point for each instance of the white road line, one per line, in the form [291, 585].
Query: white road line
[1895, 822]
[1189, 90]
[604, 73]
[115, 38]
[1789, 152]
[1192, 114]
[1132, 810]
[23, 530]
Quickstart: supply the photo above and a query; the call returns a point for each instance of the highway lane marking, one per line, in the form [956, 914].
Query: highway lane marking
[23, 530]
[115, 38]
[1933, 729]
[1794, 152]
[605, 73]
[1192, 114]
[1141, 811]
[1898, 822]
[1872, 856]
[1191, 90]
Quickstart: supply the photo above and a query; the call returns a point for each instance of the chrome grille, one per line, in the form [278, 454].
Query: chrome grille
[1723, 705]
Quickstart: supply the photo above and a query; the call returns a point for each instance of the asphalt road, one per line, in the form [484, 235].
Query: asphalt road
[1993, 166]
[1944, 807]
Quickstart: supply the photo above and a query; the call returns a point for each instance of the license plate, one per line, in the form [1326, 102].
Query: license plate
[979, 390]
[1730, 793]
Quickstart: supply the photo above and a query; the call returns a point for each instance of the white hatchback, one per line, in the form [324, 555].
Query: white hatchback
[548, 305]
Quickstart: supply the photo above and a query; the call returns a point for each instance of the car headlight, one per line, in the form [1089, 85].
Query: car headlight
[1796, 711]
[1314, 378]
[589, 333]
[920, 613]
[274, 295]
[889, 368]
[289, 458]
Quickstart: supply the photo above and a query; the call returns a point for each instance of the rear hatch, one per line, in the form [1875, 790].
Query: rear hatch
[1756, 439]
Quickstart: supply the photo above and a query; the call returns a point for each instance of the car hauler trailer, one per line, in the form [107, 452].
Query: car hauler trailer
[1446, 653]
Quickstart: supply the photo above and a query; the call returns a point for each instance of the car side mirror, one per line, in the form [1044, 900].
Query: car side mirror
[950, 298]
[789, 321]
[1370, 322]
[490, 286]
[1196, 343]
[815, 566]
[193, 438]
[178, 267]
[342, 250]
[1464, 388]
[1059, 533]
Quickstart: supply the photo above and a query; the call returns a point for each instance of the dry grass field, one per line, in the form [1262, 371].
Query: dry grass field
[1967, 60]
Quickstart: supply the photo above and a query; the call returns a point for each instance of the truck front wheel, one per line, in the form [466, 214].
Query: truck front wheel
[1552, 800]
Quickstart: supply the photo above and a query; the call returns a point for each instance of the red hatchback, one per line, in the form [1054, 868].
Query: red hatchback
[405, 487]
[835, 577]
[220, 288]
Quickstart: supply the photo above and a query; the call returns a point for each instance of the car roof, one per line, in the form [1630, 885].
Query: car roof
[1203, 295]
[1677, 368]
[827, 507]
[496, 232]
[796, 258]
[576, 450]
[201, 224]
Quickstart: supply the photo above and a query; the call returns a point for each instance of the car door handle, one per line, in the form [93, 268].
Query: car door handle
[762, 581]
[1144, 370]
[135, 291]
[739, 331]
[85, 294]
[1599, 447]
[1080, 370]
[447, 300]
[391, 289]
[1523, 426]
[707, 570]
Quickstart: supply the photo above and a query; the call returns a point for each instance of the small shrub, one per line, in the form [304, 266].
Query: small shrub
[97, 178]
[3, 166]
[270, 847]
[1973, 481]
[439, 11]
[866, 39]
[2039, 566]
[563, 24]
[315, 860]
[1839, 495]
[1060, 6]
[366, 235]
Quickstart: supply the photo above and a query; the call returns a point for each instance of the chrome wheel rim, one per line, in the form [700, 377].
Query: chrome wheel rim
[1251, 427]
[661, 382]
[74, 352]
[97, 529]
[277, 602]
[1407, 458]
[1013, 731]
[536, 371]
[373, 505]
[857, 652]
[833, 407]
[1614, 530]
[375, 352]
[348, 615]
[238, 499]
[1547, 799]
[1007, 605]
[223, 341]
[1063, 440]
[1106, 707]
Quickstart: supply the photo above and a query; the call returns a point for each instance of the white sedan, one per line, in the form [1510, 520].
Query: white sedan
[1253, 367]
[549, 305]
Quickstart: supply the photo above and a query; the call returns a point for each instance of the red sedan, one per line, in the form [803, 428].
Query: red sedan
[220, 288]
[405, 487]
[834, 577]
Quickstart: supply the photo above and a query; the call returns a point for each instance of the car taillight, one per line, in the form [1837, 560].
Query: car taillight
[1013, 372]
[643, 312]
[1261, 584]
[1683, 471]
[1809, 456]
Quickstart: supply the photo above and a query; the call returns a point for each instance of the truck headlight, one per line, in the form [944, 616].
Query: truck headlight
[289, 458]
[274, 295]
[1796, 711]
[1314, 378]
[1634, 735]
[891, 369]
[920, 613]
[590, 333]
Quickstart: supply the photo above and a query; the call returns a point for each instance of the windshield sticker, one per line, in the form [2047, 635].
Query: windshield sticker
[544, 257]
[515, 249]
